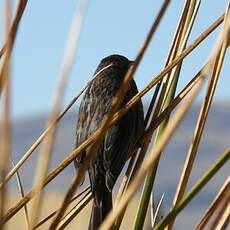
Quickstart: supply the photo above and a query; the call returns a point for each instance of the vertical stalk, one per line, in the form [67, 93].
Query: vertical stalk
[167, 95]
[5, 139]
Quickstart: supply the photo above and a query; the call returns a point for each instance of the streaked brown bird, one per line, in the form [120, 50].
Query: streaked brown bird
[114, 149]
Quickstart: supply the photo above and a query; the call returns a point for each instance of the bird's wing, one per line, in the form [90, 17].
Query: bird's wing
[120, 138]
[89, 120]
[116, 147]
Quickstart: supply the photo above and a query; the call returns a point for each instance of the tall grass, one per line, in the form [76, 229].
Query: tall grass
[158, 122]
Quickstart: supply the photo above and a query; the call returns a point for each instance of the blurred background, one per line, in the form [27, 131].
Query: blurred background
[113, 27]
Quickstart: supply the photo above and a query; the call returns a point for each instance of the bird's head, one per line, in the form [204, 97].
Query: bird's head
[116, 63]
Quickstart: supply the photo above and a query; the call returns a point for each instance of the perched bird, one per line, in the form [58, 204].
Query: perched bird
[114, 149]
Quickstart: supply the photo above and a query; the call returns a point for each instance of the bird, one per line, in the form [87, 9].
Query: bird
[114, 150]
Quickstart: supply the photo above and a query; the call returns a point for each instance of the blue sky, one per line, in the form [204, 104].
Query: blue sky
[109, 27]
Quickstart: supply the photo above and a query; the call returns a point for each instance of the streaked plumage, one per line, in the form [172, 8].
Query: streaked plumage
[113, 152]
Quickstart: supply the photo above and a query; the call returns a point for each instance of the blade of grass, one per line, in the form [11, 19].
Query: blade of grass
[74, 212]
[200, 123]
[148, 163]
[151, 105]
[44, 158]
[123, 187]
[223, 217]
[11, 35]
[114, 108]
[55, 212]
[11, 212]
[224, 191]
[195, 189]
[152, 209]
[172, 55]
[13, 30]
[155, 95]
[156, 213]
[174, 51]
[165, 98]
[170, 86]
[21, 191]
[168, 68]
[178, 99]
[131, 103]
[125, 179]
[5, 139]
[169, 59]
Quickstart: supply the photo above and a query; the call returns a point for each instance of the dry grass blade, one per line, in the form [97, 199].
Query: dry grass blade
[124, 185]
[11, 35]
[152, 208]
[169, 86]
[117, 116]
[114, 107]
[166, 96]
[156, 214]
[13, 30]
[151, 105]
[68, 60]
[131, 103]
[148, 163]
[73, 213]
[21, 190]
[55, 212]
[166, 112]
[224, 191]
[125, 179]
[175, 50]
[5, 139]
[169, 67]
[154, 97]
[170, 57]
[218, 58]
[181, 22]
[223, 217]
[179, 41]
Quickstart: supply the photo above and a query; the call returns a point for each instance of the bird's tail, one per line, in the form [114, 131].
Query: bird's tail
[101, 208]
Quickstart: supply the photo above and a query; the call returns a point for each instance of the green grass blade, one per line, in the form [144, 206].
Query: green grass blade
[195, 189]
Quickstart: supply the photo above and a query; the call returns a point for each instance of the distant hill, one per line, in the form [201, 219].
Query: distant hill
[215, 140]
